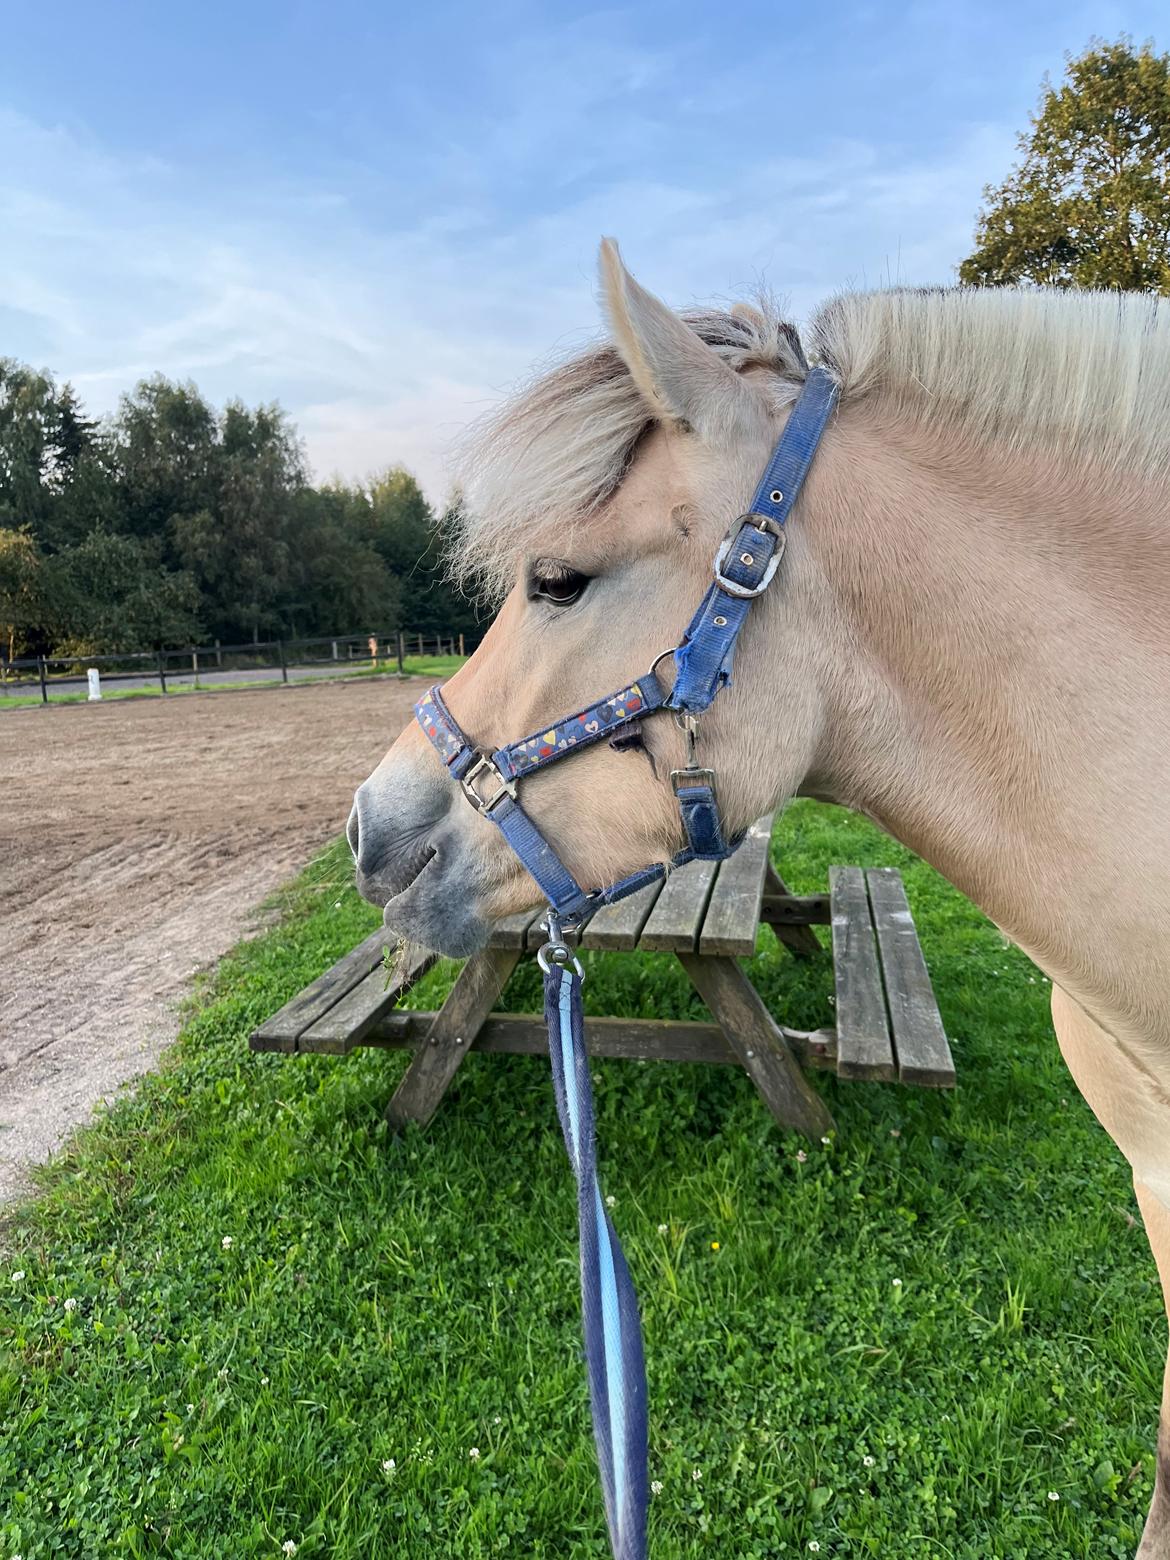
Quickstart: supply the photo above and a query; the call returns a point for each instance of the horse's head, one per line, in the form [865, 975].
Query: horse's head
[598, 499]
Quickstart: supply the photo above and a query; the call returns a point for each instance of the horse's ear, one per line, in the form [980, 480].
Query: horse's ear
[684, 380]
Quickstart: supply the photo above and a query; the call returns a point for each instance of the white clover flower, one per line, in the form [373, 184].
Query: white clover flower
[289, 1547]
[18, 1276]
[801, 1156]
[696, 1474]
[897, 1283]
[611, 1201]
[263, 1381]
[497, 1420]
[226, 1243]
[474, 1454]
[826, 1140]
[867, 1461]
[1052, 1495]
[656, 1487]
[222, 1373]
[190, 1408]
[662, 1229]
[389, 1465]
[814, 1546]
[71, 1304]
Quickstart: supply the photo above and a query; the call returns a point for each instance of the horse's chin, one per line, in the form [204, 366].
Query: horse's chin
[444, 917]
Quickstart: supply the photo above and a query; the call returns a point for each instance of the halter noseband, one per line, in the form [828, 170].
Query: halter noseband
[745, 565]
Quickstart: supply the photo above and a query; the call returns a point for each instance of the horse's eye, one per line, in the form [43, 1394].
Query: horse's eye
[562, 588]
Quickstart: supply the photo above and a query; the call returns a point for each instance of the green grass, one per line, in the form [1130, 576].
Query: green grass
[413, 666]
[412, 1298]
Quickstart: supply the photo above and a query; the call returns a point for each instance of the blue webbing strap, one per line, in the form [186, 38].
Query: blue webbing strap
[613, 1332]
[748, 558]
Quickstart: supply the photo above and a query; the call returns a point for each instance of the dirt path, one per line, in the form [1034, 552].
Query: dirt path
[136, 840]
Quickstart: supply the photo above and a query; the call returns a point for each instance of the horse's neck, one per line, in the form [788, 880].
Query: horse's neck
[1006, 711]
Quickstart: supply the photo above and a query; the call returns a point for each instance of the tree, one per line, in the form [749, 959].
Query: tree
[1089, 203]
[55, 476]
[112, 593]
[409, 539]
[22, 604]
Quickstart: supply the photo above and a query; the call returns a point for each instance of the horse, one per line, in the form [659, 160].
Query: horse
[968, 641]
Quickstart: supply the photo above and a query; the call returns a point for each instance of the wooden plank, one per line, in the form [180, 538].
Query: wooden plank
[620, 1039]
[923, 1055]
[512, 931]
[678, 912]
[757, 1040]
[733, 914]
[342, 1027]
[281, 1031]
[451, 1035]
[618, 926]
[795, 936]
[864, 1049]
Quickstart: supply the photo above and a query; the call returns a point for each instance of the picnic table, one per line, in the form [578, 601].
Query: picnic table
[887, 1029]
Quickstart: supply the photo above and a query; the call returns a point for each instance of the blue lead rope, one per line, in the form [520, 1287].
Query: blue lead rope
[613, 1332]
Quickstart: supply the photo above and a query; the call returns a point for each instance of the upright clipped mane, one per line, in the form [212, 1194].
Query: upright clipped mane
[1086, 375]
[560, 447]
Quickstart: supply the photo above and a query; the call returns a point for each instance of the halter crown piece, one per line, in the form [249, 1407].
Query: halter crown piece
[745, 566]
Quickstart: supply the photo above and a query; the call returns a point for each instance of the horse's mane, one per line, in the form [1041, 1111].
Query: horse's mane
[1082, 374]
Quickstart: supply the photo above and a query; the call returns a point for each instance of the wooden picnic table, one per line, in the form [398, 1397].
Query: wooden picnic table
[888, 1027]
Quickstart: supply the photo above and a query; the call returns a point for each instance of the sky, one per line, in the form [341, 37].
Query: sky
[383, 216]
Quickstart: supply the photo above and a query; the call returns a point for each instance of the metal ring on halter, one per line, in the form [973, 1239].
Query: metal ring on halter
[661, 656]
[558, 953]
[556, 950]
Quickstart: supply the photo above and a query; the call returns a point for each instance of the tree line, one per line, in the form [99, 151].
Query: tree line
[172, 522]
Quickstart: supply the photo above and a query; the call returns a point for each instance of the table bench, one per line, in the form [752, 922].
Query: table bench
[888, 1027]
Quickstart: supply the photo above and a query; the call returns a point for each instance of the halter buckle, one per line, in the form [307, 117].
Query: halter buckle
[682, 779]
[482, 804]
[733, 587]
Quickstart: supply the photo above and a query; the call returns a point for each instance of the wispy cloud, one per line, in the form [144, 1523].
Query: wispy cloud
[383, 340]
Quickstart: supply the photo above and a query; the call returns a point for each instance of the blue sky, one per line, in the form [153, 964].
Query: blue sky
[382, 215]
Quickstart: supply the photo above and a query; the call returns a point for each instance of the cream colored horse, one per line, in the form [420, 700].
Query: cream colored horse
[968, 640]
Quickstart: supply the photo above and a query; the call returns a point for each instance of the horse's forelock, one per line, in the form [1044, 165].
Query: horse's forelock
[560, 448]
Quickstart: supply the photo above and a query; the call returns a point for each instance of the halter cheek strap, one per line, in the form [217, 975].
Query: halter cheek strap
[745, 566]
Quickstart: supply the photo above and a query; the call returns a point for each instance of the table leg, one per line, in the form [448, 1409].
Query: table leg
[757, 1041]
[451, 1035]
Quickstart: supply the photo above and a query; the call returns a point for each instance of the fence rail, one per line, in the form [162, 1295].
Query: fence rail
[67, 675]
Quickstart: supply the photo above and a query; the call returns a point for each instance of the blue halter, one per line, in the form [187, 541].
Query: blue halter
[745, 565]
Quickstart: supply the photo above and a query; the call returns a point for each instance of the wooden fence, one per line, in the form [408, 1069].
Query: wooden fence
[200, 665]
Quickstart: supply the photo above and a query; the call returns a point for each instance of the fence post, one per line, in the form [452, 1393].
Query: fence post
[283, 663]
[218, 654]
[44, 684]
[461, 651]
[195, 664]
[162, 672]
[420, 648]
[335, 657]
[400, 649]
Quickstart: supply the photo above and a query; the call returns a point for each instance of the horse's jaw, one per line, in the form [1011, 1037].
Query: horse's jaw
[412, 860]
